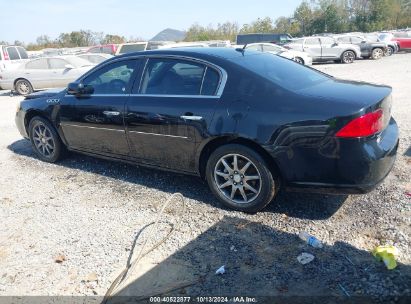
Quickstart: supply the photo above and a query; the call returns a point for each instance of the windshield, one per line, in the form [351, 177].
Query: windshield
[78, 62]
[281, 71]
[385, 37]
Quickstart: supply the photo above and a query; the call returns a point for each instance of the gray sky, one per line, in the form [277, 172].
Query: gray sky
[25, 20]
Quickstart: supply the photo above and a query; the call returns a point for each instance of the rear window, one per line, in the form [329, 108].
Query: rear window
[281, 71]
[23, 53]
[128, 48]
[13, 54]
[37, 64]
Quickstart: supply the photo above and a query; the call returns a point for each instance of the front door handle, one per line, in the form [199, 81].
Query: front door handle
[111, 113]
[191, 117]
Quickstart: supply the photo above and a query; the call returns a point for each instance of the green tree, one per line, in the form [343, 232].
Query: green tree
[116, 39]
[261, 25]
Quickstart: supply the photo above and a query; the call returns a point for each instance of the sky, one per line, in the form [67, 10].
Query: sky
[25, 20]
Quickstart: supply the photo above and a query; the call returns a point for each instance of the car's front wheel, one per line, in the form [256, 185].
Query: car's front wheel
[23, 87]
[390, 51]
[348, 57]
[241, 178]
[45, 141]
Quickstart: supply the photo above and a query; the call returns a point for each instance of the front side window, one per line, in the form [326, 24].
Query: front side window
[172, 77]
[57, 63]
[111, 79]
[38, 64]
[327, 40]
[13, 54]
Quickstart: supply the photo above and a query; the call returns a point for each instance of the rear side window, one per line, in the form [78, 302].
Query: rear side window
[172, 77]
[281, 71]
[356, 40]
[344, 39]
[210, 82]
[37, 64]
[56, 63]
[327, 40]
[23, 53]
[13, 54]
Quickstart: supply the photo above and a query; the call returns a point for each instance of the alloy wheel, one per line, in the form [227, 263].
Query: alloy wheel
[377, 54]
[298, 60]
[23, 87]
[43, 140]
[348, 57]
[237, 178]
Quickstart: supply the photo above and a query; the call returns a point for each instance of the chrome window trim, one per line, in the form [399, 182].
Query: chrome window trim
[221, 85]
[150, 95]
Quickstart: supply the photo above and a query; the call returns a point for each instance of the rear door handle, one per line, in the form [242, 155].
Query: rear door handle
[111, 113]
[191, 117]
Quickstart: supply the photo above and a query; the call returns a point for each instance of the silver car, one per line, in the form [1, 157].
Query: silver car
[297, 56]
[323, 49]
[43, 73]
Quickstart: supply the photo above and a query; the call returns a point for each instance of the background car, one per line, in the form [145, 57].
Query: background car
[403, 39]
[323, 49]
[280, 39]
[125, 48]
[106, 48]
[42, 73]
[369, 49]
[11, 56]
[95, 58]
[247, 122]
[387, 38]
[297, 56]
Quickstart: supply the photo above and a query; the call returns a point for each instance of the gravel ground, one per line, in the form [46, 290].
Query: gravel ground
[86, 213]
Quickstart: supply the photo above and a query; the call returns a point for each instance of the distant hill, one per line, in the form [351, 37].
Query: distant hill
[169, 35]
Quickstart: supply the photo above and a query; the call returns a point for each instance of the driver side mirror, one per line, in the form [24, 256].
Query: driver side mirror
[68, 67]
[78, 89]
[334, 44]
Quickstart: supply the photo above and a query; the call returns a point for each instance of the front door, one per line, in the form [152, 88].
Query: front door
[171, 110]
[312, 46]
[95, 122]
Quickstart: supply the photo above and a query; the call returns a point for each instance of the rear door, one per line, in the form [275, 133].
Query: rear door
[312, 46]
[171, 110]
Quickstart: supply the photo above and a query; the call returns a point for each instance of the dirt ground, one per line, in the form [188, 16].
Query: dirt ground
[70, 228]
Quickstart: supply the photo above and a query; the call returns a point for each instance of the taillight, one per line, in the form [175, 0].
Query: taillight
[365, 125]
[5, 55]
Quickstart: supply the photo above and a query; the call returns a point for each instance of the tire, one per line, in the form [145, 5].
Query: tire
[348, 57]
[45, 141]
[241, 193]
[299, 60]
[377, 53]
[23, 87]
[390, 51]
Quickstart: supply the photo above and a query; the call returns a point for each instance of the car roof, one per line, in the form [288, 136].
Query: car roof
[216, 52]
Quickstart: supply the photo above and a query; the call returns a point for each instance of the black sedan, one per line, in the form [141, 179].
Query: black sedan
[248, 122]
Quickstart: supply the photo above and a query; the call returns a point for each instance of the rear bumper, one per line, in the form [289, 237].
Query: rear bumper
[340, 166]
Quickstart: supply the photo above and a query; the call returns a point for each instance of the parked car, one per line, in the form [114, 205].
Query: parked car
[387, 38]
[323, 49]
[42, 73]
[95, 58]
[297, 56]
[263, 37]
[392, 46]
[106, 48]
[403, 39]
[11, 56]
[125, 48]
[369, 49]
[248, 122]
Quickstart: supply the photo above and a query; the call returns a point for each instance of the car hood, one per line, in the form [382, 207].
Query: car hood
[45, 93]
[348, 93]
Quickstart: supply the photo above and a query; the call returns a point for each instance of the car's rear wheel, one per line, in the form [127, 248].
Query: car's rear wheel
[23, 87]
[377, 53]
[299, 60]
[348, 57]
[45, 141]
[241, 178]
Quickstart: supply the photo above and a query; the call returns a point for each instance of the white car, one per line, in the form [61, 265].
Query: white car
[44, 73]
[11, 56]
[297, 56]
[95, 58]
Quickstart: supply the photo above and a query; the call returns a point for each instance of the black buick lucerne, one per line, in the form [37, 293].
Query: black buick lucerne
[248, 122]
